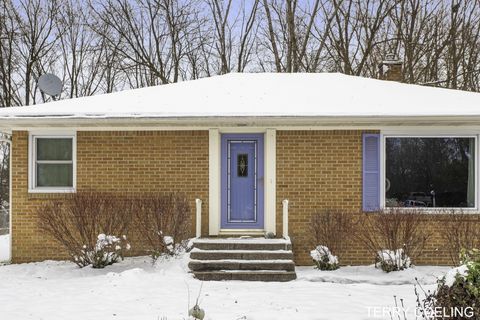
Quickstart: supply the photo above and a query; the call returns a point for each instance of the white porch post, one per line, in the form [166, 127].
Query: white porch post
[285, 218]
[198, 225]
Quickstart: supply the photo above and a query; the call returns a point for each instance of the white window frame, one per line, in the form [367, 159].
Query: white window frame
[32, 156]
[383, 161]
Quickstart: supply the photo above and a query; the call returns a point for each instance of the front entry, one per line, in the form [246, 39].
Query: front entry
[242, 181]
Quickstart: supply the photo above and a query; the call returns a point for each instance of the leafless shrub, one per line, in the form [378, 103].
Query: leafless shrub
[77, 222]
[391, 230]
[164, 223]
[332, 228]
[460, 231]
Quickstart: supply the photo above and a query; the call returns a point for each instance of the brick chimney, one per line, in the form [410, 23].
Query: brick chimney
[391, 68]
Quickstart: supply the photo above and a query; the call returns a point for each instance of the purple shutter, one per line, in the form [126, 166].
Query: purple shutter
[371, 172]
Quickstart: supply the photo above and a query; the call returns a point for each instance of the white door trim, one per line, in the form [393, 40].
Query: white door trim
[214, 182]
[270, 179]
[214, 174]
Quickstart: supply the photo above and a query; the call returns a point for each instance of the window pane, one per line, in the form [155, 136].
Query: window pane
[54, 149]
[54, 175]
[430, 172]
[242, 165]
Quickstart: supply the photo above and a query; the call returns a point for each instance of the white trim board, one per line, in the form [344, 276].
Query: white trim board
[214, 182]
[423, 126]
[270, 168]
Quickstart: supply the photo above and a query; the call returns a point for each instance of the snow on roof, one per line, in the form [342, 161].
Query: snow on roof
[263, 95]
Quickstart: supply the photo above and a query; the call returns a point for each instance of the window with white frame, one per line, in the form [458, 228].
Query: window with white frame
[436, 172]
[52, 163]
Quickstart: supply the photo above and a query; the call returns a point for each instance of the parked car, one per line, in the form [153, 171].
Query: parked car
[419, 199]
[414, 203]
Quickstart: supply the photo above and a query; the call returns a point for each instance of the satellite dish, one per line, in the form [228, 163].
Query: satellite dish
[50, 84]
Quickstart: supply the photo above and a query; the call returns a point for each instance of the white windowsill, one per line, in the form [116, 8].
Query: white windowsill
[440, 211]
[52, 190]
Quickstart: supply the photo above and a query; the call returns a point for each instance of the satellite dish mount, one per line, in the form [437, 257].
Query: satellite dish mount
[50, 84]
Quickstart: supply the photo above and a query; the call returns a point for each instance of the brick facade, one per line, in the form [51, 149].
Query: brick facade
[315, 170]
[124, 162]
[318, 170]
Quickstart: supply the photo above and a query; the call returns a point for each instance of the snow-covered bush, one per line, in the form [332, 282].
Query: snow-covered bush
[392, 260]
[108, 250]
[395, 237]
[333, 228]
[164, 224]
[459, 290]
[87, 225]
[324, 259]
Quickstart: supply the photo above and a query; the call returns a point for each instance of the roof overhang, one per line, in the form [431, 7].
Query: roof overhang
[162, 123]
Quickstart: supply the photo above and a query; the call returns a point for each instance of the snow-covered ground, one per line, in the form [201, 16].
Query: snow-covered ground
[134, 289]
[4, 247]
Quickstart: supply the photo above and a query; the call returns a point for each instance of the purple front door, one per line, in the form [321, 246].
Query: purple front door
[242, 181]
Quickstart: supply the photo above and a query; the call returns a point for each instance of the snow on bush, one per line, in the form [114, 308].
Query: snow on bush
[169, 243]
[454, 274]
[393, 229]
[77, 221]
[171, 248]
[108, 250]
[392, 260]
[333, 228]
[324, 259]
[458, 290]
[164, 224]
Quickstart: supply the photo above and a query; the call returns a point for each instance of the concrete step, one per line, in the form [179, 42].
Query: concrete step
[242, 244]
[199, 254]
[244, 258]
[215, 265]
[246, 275]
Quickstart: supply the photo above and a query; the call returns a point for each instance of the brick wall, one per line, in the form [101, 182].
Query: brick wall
[318, 170]
[315, 170]
[124, 162]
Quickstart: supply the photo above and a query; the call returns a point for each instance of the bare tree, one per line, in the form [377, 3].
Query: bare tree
[248, 33]
[82, 51]
[152, 35]
[220, 11]
[9, 62]
[35, 22]
[109, 45]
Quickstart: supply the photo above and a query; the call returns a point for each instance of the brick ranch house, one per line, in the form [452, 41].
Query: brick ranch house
[243, 143]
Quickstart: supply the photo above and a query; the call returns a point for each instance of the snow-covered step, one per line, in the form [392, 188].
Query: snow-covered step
[199, 254]
[254, 259]
[246, 275]
[242, 244]
[212, 265]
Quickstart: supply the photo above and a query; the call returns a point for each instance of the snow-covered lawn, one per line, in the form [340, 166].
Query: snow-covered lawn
[4, 247]
[134, 289]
